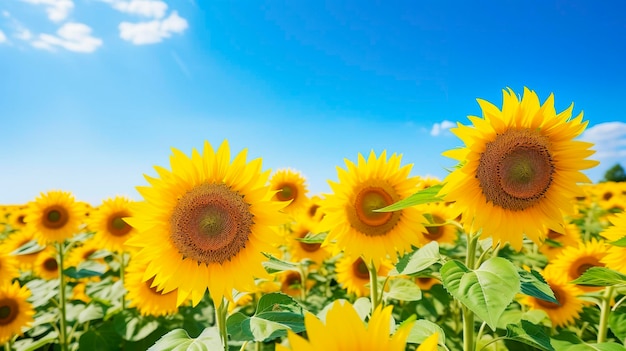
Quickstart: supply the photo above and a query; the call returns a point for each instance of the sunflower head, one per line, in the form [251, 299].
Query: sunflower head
[614, 257]
[205, 224]
[54, 216]
[572, 262]
[47, 266]
[354, 276]
[144, 296]
[15, 311]
[520, 168]
[290, 187]
[109, 224]
[351, 216]
[8, 266]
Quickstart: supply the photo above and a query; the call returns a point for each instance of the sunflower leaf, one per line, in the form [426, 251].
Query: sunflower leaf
[529, 334]
[486, 291]
[178, 339]
[418, 260]
[533, 284]
[621, 242]
[422, 329]
[617, 323]
[403, 290]
[313, 238]
[600, 276]
[275, 265]
[421, 197]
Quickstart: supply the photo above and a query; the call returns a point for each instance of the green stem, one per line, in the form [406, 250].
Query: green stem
[221, 313]
[258, 346]
[373, 285]
[243, 346]
[122, 271]
[468, 315]
[605, 311]
[63, 329]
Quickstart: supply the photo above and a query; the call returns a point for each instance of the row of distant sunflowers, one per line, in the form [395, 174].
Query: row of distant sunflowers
[509, 251]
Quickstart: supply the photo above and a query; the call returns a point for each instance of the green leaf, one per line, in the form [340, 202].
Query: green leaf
[85, 269]
[132, 327]
[275, 265]
[91, 312]
[179, 340]
[486, 291]
[418, 260]
[421, 197]
[312, 238]
[422, 329]
[529, 334]
[32, 345]
[533, 284]
[617, 323]
[605, 346]
[621, 242]
[600, 276]
[277, 302]
[403, 290]
[28, 248]
[238, 326]
[103, 338]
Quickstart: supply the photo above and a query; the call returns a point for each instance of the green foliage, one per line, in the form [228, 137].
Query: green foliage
[424, 196]
[601, 276]
[615, 174]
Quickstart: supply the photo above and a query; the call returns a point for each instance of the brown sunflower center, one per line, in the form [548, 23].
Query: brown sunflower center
[292, 280]
[286, 192]
[9, 309]
[607, 196]
[369, 198]
[55, 217]
[559, 295]
[436, 231]
[583, 264]
[360, 270]
[50, 264]
[117, 226]
[211, 223]
[516, 169]
[20, 219]
[308, 247]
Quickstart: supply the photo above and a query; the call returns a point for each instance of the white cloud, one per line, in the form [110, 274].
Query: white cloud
[3, 38]
[146, 8]
[609, 139]
[57, 10]
[23, 34]
[153, 31]
[71, 36]
[439, 128]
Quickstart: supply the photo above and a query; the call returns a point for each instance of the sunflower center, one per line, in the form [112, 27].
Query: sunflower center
[558, 295]
[211, 223]
[308, 247]
[50, 264]
[116, 224]
[360, 270]
[583, 264]
[55, 217]
[9, 309]
[434, 232]
[313, 210]
[607, 196]
[369, 198]
[293, 280]
[20, 219]
[286, 192]
[516, 169]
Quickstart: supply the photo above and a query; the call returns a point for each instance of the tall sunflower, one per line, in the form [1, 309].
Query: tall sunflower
[205, 224]
[17, 240]
[354, 276]
[82, 253]
[54, 216]
[46, 266]
[290, 187]
[300, 250]
[8, 266]
[614, 257]
[108, 223]
[344, 330]
[574, 261]
[438, 227]
[15, 311]
[520, 168]
[144, 296]
[349, 211]
[569, 306]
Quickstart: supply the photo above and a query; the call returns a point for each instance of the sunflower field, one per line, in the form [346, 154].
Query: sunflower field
[515, 249]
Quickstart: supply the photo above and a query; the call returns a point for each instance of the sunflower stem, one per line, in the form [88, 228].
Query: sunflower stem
[63, 321]
[605, 311]
[373, 285]
[468, 315]
[221, 315]
[122, 256]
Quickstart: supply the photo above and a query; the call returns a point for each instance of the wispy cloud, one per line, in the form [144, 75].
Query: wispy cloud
[145, 8]
[57, 10]
[439, 128]
[3, 38]
[71, 36]
[154, 31]
[609, 139]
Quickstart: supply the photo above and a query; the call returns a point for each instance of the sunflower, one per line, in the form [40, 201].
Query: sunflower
[47, 266]
[555, 242]
[569, 306]
[353, 274]
[349, 211]
[108, 223]
[300, 250]
[436, 228]
[574, 261]
[205, 224]
[614, 257]
[519, 170]
[83, 253]
[16, 218]
[344, 330]
[312, 209]
[18, 240]
[290, 188]
[144, 296]
[291, 283]
[15, 312]
[8, 266]
[426, 283]
[54, 216]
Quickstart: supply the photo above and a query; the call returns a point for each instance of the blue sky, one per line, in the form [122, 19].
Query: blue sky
[94, 93]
